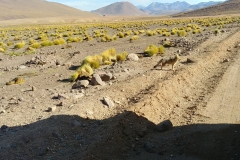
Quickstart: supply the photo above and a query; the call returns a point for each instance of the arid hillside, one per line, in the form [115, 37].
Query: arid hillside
[120, 8]
[19, 9]
[228, 7]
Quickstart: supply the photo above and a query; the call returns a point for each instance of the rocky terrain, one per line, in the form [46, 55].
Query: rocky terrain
[127, 110]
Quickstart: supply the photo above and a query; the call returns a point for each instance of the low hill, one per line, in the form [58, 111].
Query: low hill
[120, 8]
[228, 7]
[19, 9]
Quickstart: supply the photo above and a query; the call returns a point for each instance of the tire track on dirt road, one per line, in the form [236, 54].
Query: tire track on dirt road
[184, 96]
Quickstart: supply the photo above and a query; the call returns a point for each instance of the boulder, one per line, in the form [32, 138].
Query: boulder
[133, 57]
[96, 80]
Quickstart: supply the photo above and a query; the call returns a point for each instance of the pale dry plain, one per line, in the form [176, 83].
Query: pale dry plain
[201, 99]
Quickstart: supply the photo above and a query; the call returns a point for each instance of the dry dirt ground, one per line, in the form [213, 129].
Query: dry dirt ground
[201, 99]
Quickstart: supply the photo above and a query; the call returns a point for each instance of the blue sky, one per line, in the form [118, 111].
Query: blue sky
[88, 5]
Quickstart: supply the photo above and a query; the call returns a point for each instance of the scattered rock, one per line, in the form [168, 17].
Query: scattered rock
[80, 84]
[70, 96]
[77, 95]
[133, 57]
[108, 102]
[106, 77]
[96, 80]
[58, 62]
[2, 111]
[189, 60]
[22, 67]
[164, 126]
[141, 132]
[4, 128]
[52, 109]
[63, 96]
[34, 88]
[149, 147]
[225, 60]
[60, 104]
[43, 151]
[25, 139]
[76, 123]
[55, 134]
[229, 50]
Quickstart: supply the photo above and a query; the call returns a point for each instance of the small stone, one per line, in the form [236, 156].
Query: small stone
[106, 77]
[76, 123]
[108, 102]
[13, 145]
[34, 107]
[149, 147]
[225, 60]
[4, 97]
[25, 139]
[52, 109]
[229, 50]
[22, 67]
[58, 62]
[164, 126]
[43, 151]
[2, 111]
[4, 128]
[21, 99]
[34, 88]
[78, 96]
[60, 104]
[80, 84]
[189, 60]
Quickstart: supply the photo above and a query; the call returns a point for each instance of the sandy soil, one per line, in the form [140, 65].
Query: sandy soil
[201, 99]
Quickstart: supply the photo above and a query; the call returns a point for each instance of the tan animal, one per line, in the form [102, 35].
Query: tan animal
[171, 61]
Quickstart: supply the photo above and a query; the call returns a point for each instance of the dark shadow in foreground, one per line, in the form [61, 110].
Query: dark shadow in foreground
[125, 136]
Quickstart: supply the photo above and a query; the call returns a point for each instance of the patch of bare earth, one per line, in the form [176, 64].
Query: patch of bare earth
[201, 100]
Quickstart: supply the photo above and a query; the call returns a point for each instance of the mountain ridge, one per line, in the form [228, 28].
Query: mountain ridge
[156, 8]
[120, 8]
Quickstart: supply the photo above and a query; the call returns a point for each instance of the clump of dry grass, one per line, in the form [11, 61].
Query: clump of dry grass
[151, 50]
[84, 70]
[133, 38]
[122, 56]
[94, 61]
[109, 55]
[19, 45]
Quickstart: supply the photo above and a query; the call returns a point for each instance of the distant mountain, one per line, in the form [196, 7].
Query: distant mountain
[19, 9]
[157, 8]
[228, 7]
[120, 8]
[202, 5]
